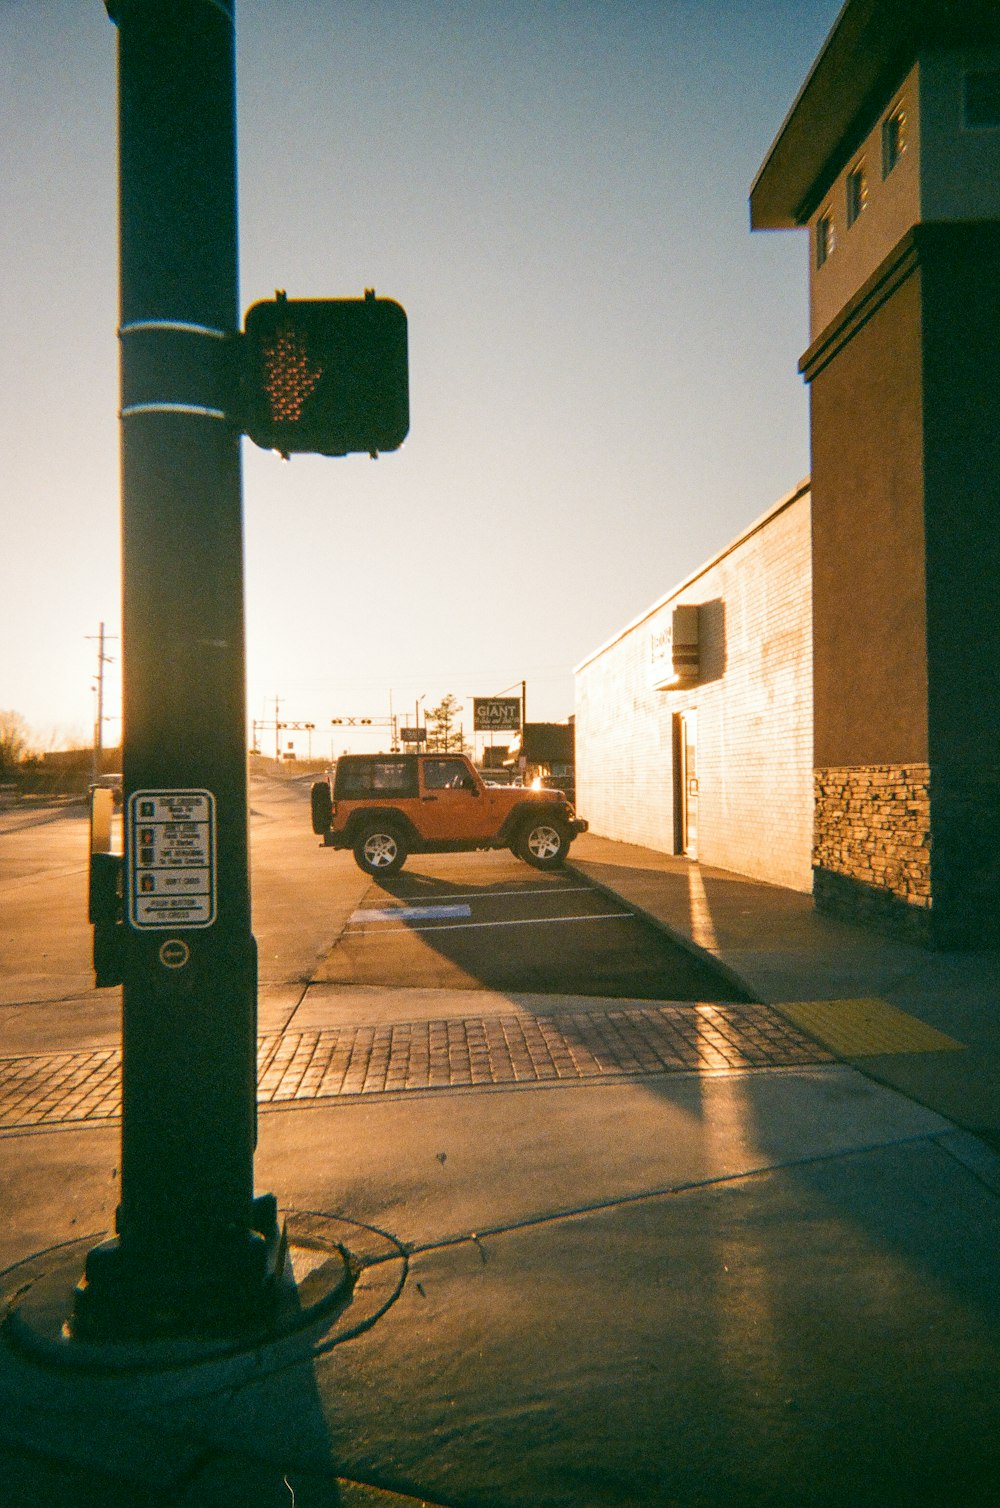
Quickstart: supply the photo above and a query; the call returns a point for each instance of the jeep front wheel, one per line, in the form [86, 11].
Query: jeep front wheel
[543, 842]
[380, 851]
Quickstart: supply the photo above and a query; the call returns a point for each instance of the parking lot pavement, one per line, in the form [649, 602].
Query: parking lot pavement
[486, 921]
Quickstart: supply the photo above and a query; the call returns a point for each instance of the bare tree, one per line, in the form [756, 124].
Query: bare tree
[13, 741]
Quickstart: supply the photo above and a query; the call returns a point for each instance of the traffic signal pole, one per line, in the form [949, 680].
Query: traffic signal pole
[195, 1252]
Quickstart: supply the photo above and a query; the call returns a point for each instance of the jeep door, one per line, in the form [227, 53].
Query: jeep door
[453, 805]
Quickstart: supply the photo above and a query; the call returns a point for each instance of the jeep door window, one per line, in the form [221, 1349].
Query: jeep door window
[446, 775]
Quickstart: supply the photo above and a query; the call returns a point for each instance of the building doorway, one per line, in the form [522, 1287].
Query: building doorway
[686, 783]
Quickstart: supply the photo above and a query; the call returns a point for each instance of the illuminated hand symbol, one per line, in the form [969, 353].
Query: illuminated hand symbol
[289, 376]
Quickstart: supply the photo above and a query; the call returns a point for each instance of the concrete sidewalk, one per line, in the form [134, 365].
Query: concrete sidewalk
[770, 1285]
[772, 941]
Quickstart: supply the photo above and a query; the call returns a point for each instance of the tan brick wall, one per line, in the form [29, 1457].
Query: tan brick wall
[753, 700]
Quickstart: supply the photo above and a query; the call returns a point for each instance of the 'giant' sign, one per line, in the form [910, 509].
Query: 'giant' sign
[496, 714]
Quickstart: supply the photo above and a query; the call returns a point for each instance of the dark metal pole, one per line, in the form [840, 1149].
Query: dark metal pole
[195, 1252]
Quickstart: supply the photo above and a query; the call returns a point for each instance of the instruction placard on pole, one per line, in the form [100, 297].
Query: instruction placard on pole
[170, 857]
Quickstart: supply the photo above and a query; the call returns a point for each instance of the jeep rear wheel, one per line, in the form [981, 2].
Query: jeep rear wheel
[543, 842]
[380, 850]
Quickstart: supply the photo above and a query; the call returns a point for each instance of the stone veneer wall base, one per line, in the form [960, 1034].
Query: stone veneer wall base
[872, 847]
[911, 850]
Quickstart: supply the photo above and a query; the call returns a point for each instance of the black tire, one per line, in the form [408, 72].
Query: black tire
[322, 807]
[380, 850]
[543, 841]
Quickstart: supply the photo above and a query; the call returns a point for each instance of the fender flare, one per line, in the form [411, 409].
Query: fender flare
[525, 812]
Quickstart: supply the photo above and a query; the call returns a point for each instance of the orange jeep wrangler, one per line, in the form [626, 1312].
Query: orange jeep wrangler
[386, 806]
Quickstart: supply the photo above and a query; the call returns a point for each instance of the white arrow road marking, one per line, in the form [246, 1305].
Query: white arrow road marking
[409, 913]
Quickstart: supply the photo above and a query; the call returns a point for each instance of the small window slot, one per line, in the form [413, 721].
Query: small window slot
[825, 237]
[857, 193]
[893, 139]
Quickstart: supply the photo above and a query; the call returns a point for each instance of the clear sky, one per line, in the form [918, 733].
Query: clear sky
[602, 360]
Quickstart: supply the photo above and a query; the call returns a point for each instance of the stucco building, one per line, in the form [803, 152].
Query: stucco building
[890, 159]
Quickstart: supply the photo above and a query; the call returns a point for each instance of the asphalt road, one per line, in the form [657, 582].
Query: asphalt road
[482, 921]
[44, 933]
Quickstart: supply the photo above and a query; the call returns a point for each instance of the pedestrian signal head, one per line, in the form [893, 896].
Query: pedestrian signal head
[327, 376]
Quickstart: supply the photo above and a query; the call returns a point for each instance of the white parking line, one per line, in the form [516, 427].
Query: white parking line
[501, 895]
[523, 921]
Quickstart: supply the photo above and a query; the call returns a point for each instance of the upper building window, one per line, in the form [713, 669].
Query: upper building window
[981, 99]
[824, 237]
[893, 139]
[857, 193]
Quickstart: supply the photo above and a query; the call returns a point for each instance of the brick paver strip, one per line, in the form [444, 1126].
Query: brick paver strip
[299, 1066]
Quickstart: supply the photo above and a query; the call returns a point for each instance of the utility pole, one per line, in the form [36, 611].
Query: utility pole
[195, 1252]
[102, 660]
[277, 729]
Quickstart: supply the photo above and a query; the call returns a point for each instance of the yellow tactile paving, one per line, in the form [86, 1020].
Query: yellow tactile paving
[866, 1028]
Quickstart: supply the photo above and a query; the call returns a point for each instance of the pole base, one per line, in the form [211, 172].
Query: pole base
[199, 1293]
[340, 1279]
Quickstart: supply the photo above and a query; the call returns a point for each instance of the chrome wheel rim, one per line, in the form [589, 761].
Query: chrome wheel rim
[380, 850]
[544, 842]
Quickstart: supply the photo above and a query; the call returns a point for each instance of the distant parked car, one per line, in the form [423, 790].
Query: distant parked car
[110, 782]
[564, 783]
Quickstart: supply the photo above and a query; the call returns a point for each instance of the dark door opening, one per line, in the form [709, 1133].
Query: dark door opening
[686, 783]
